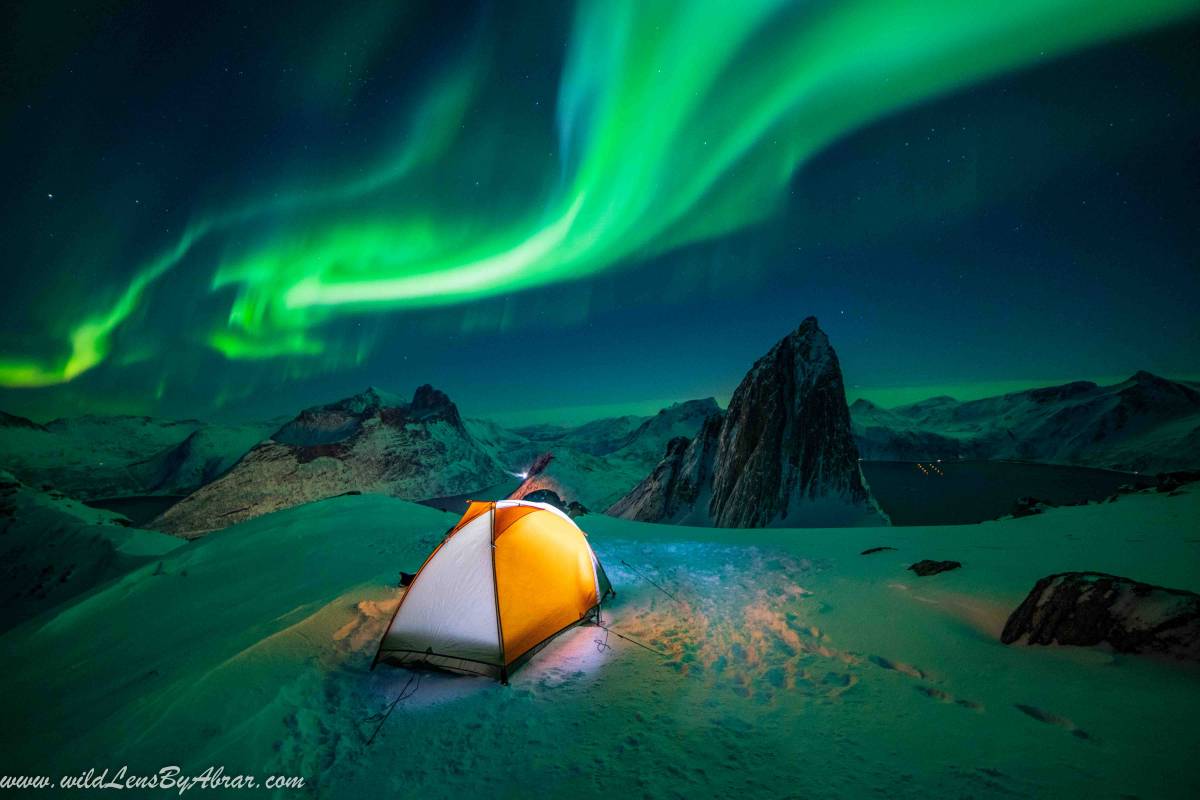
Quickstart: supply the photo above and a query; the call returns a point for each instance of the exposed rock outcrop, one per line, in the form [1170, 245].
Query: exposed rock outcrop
[1029, 506]
[371, 442]
[781, 455]
[929, 567]
[1090, 608]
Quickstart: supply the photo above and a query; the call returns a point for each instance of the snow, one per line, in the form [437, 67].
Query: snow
[793, 666]
[92, 457]
[1145, 423]
[53, 548]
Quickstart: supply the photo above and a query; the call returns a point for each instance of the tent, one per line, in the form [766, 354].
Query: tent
[508, 578]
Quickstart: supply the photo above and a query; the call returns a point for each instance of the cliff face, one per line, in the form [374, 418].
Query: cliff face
[781, 455]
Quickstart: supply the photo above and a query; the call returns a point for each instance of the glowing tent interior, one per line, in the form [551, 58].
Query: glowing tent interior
[507, 579]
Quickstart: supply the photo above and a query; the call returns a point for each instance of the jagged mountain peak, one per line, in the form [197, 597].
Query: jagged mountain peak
[781, 454]
[345, 418]
[428, 401]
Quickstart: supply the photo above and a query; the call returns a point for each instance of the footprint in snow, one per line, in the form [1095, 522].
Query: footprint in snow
[898, 666]
[1053, 719]
[946, 697]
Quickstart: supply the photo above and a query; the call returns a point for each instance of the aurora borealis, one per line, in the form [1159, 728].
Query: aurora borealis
[212, 203]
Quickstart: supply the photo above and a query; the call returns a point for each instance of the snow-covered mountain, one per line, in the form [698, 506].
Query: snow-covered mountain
[1145, 423]
[598, 462]
[94, 456]
[781, 455]
[371, 442]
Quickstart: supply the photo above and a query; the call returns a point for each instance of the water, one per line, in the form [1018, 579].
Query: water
[140, 509]
[962, 492]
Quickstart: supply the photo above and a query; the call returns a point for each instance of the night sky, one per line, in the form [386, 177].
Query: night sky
[555, 212]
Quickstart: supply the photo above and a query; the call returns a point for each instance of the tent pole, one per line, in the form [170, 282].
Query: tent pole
[496, 596]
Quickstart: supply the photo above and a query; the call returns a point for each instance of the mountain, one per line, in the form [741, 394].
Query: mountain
[598, 437]
[13, 421]
[782, 455]
[576, 469]
[373, 442]
[594, 463]
[1146, 423]
[202, 457]
[678, 489]
[91, 457]
[53, 549]
[678, 419]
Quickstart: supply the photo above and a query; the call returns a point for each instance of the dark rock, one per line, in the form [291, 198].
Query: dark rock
[539, 465]
[1167, 482]
[548, 496]
[928, 567]
[1088, 608]
[871, 550]
[576, 509]
[1029, 506]
[13, 421]
[782, 454]
[670, 492]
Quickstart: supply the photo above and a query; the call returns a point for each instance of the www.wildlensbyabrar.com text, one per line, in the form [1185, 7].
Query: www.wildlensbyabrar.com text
[169, 778]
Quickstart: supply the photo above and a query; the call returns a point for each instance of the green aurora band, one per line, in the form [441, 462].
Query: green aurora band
[677, 123]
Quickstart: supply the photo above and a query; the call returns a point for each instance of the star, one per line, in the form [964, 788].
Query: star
[50, 195]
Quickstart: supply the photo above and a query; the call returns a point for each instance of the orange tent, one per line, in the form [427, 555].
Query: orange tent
[508, 578]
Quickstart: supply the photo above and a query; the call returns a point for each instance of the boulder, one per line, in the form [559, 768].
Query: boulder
[929, 567]
[1090, 608]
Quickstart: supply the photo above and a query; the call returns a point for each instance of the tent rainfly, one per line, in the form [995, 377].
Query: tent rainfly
[508, 578]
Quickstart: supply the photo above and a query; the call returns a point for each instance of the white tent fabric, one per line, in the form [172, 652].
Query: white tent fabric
[451, 606]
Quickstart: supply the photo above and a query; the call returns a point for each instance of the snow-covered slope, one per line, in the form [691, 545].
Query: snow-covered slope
[782, 455]
[53, 548]
[93, 457]
[1145, 423]
[371, 442]
[791, 666]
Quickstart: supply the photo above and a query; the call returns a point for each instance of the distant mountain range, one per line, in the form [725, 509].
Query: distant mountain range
[783, 434]
[1146, 423]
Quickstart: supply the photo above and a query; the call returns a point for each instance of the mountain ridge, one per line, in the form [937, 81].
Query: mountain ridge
[1143, 423]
